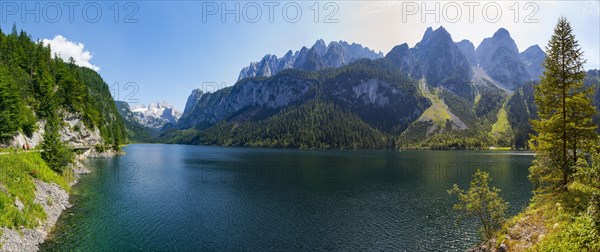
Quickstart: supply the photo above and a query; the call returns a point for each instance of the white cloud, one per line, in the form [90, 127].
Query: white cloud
[66, 49]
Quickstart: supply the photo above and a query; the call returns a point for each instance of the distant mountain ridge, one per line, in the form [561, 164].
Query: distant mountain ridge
[136, 132]
[439, 93]
[436, 58]
[317, 57]
[533, 58]
[499, 57]
[155, 115]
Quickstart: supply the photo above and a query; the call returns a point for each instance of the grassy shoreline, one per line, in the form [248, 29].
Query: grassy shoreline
[18, 172]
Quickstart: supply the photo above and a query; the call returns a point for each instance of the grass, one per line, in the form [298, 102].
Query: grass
[14, 150]
[501, 130]
[554, 222]
[8, 150]
[476, 101]
[501, 126]
[17, 174]
[438, 112]
[500, 148]
[182, 136]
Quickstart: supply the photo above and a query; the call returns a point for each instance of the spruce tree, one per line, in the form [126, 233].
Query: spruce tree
[55, 153]
[564, 129]
[9, 105]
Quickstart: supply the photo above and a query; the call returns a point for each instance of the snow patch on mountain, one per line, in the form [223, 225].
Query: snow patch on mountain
[155, 115]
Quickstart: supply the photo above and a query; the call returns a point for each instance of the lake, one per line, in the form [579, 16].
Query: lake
[191, 198]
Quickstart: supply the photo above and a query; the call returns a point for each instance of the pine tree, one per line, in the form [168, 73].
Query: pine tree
[9, 105]
[564, 130]
[14, 114]
[55, 153]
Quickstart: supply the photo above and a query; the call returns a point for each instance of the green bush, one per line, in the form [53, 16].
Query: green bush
[17, 174]
[482, 203]
[579, 235]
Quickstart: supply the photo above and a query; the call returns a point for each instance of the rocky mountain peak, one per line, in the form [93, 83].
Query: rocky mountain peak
[499, 57]
[268, 57]
[500, 39]
[156, 114]
[320, 47]
[501, 33]
[401, 56]
[440, 35]
[427, 35]
[318, 56]
[533, 51]
[468, 49]
[289, 54]
[435, 58]
[533, 57]
[192, 100]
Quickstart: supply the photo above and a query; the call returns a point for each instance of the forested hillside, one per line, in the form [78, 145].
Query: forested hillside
[136, 132]
[312, 125]
[360, 105]
[438, 94]
[54, 106]
[521, 108]
[36, 86]
[564, 212]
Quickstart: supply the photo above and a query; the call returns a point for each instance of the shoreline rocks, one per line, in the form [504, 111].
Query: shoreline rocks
[54, 200]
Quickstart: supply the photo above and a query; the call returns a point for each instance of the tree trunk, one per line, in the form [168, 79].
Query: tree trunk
[575, 150]
[564, 118]
[564, 150]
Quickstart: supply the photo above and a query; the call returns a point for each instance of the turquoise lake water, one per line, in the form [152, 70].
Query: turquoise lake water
[200, 198]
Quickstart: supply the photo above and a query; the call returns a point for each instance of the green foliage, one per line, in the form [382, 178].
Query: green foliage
[460, 107]
[564, 131]
[482, 203]
[135, 131]
[578, 217]
[592, 79]
[186, 136]
[99, 108]
[55, 153]
[312, 125]
[438, 132]
[455, 140]
[566, 168]
[587, 176]
[579, 235]
[338, 86]
[17, 174]
[34, 85]
[501, 131]
[14, 114]
[520, 109]
[490, 101]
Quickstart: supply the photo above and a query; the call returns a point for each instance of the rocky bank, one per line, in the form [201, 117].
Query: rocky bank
[53, 199]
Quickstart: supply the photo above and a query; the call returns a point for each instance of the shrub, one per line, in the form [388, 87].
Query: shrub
[482, 203]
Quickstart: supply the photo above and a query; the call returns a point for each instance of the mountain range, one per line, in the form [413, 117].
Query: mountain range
[319, 56]
[155, 115]
[439, 93]
[143, 123]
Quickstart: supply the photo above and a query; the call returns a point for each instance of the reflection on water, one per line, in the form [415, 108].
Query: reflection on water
[190, 198]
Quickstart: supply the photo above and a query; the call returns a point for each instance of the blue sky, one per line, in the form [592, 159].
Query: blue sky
[168, 48]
